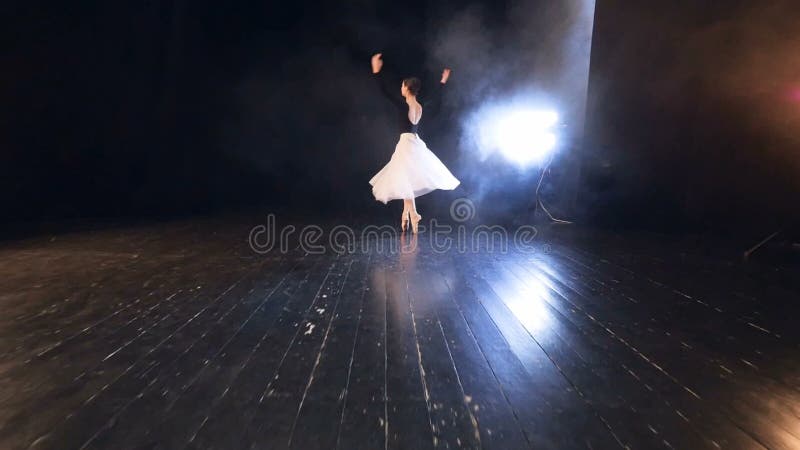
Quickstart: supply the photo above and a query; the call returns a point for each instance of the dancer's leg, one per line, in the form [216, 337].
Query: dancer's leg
[407, 205]
[415, 216]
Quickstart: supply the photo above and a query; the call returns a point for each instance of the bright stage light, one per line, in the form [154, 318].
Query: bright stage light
[523, 136]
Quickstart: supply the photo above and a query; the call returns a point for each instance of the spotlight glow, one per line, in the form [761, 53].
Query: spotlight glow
[522, 136]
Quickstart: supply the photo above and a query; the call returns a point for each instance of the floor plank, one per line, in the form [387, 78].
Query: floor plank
[317, 423]
[364, 420]
[409, 418]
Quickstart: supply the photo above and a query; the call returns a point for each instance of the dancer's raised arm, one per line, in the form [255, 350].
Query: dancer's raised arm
[377, 63]
[445, 76]
[384, 83]
[433, 103]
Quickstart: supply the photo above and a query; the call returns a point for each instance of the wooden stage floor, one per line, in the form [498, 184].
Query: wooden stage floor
[181, 336]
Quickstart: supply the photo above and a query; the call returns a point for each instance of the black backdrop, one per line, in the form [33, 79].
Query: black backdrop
[694, 114]
[162, 108]
[154, 108]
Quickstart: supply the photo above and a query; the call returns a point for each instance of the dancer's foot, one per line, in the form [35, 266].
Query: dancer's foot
[415, 218]
[404, 221]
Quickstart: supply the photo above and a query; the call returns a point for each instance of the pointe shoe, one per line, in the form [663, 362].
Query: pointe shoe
[404, 221]
[415, 223]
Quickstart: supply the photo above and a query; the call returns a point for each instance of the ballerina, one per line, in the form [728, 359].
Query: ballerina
[413, 169]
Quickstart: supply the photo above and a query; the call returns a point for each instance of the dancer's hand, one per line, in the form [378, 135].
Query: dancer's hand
[377, 62]
[445, 75]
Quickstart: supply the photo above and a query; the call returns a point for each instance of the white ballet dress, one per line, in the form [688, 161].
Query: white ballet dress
[413, 171]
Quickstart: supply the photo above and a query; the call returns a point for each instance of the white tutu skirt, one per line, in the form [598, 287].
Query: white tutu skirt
[413, 171]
